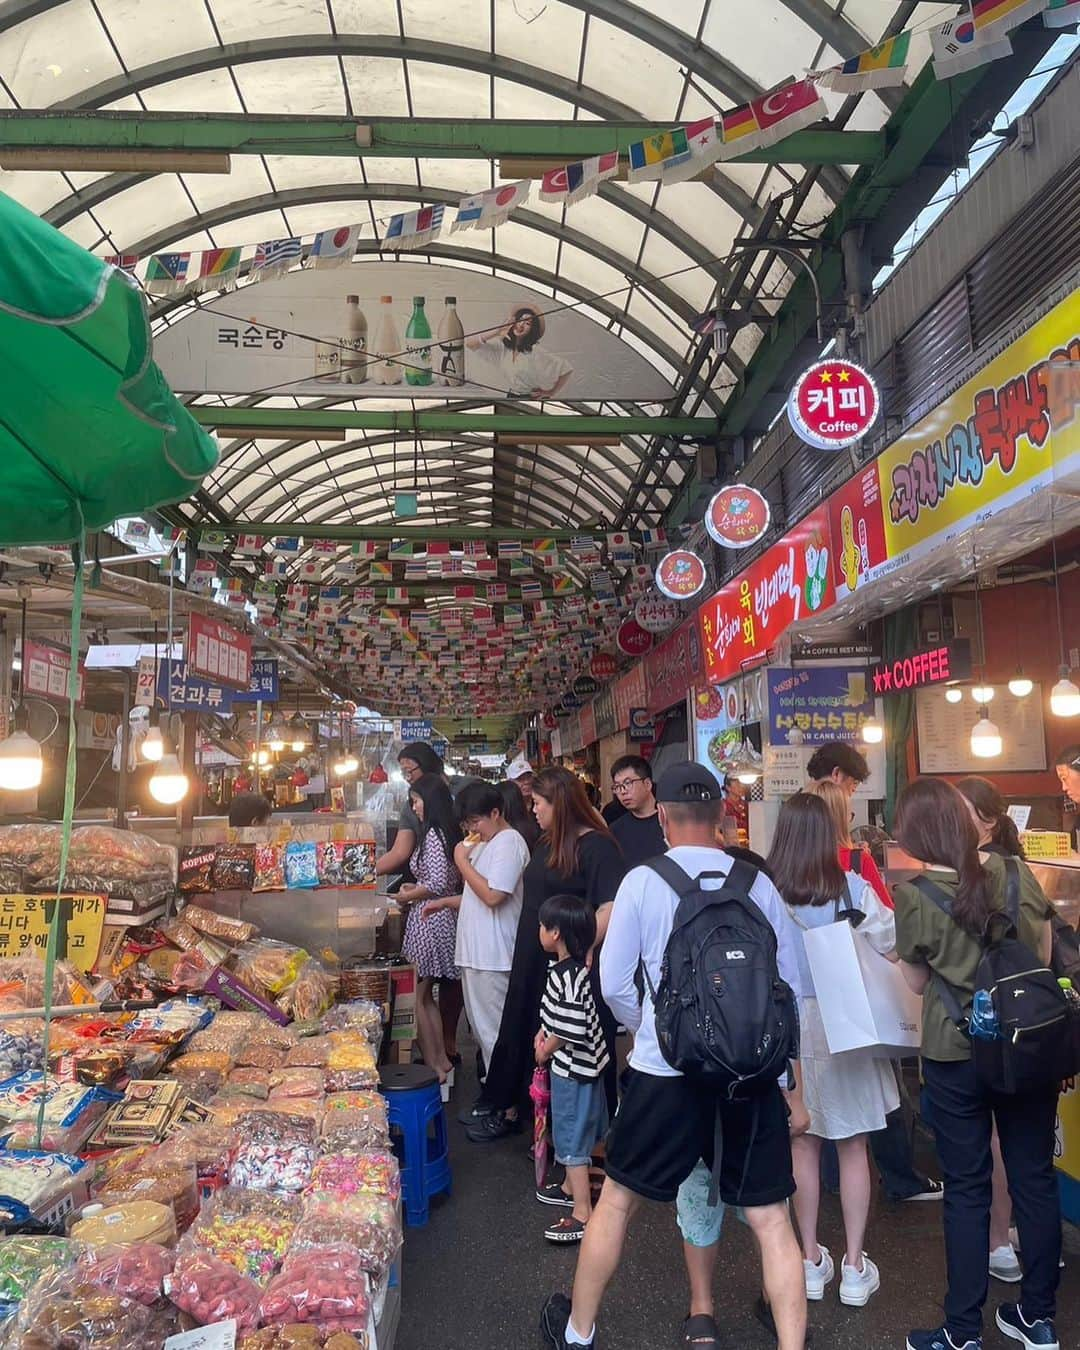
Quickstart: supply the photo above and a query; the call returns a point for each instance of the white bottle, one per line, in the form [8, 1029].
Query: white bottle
[354, 345]
[451, 352]
[385, 370]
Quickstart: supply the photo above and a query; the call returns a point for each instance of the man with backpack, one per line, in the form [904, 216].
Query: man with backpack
[710, 1073]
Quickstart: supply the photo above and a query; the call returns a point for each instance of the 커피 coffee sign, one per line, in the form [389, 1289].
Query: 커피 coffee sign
[833, 404]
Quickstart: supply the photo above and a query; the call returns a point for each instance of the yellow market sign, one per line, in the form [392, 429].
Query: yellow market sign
[24, 926]
[997, 440]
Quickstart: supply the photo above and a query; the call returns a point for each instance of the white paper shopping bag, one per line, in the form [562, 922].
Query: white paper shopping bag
[838, 983]
[863, 999]
[895, 1008]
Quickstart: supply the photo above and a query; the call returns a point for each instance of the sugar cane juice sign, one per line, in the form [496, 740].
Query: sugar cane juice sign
[790, 581]
[833, 404]
[419, 328]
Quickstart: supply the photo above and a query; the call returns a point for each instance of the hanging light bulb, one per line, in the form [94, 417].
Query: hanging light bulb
[260, 757]
[298, 733]
[20, 760]
[873, 733]
[982, 693]
[168, 782]
[745, 765]
[1020, 686]
[277, 737]
[954, 694]
[153, 744]
[985, 738]
[1065, 697]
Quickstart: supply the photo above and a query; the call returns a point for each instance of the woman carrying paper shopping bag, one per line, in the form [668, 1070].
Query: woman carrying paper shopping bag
[847, 1095]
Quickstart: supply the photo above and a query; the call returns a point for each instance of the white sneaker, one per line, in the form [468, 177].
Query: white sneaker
[1004, 1264]
[818, 1276]
[858, 1286]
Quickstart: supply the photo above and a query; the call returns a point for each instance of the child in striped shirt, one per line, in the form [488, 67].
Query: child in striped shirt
[571, 1038]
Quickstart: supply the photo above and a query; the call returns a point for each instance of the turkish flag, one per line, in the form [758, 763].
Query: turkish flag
[791, 100]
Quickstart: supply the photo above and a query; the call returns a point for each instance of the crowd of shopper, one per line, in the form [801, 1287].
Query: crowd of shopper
[559, 934]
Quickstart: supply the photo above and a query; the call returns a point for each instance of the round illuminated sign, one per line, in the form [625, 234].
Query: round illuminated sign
[833, 404]
[737, 516]
[603, 667]
[633, 639]
[655, 614]
[680, 574]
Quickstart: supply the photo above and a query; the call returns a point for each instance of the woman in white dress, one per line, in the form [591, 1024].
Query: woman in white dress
[847, 1095]
[512, 359]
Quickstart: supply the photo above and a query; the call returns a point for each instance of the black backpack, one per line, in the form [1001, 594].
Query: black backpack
[1039, 1040]
[723, 1014]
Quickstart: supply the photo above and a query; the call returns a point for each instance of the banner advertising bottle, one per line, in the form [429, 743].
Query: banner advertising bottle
[418, 346]
[354, 346]
[387, 368]
[451, 346]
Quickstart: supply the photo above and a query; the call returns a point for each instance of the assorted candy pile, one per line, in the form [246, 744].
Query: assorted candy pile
[253, 1181]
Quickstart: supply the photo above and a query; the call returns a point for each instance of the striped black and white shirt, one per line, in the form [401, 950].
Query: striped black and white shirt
[568, 1010]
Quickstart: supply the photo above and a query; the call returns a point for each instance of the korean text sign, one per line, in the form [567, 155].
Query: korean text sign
[187, 693]
[45, 673]
[998, 439]
[25, 920]
[790, 581]
[673, 667]
[812, 705]
[264, 686]
[219, 653]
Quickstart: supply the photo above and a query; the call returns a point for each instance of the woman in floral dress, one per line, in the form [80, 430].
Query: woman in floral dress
[429, 939]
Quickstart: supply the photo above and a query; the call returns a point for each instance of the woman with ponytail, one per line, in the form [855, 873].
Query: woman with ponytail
[942, 944]
[989, 810]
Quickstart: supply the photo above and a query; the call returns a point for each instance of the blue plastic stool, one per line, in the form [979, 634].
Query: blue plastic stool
[415, 1111]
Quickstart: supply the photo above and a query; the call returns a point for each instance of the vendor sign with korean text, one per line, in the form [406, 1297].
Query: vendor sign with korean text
[790, 581]
[997, 440]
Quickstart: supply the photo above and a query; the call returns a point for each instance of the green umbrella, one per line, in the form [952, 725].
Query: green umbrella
[89, 429]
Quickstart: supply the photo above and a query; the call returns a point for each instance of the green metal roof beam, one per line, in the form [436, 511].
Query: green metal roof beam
[428, 138]
[525, 424]
[346, 534]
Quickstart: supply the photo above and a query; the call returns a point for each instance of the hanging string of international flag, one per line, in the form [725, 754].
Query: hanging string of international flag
[977, 36]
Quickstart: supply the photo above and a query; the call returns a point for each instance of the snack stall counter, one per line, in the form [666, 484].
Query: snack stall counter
[222, 1154]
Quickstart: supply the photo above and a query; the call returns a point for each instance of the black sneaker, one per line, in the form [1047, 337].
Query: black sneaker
[939, 1340]
[1036, 1335]
[496, 1126]
[933, 1190]
[478, 1112]
[555, 1195]
[554, 1317]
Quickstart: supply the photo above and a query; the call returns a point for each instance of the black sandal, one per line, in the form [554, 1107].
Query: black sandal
[701, 1330]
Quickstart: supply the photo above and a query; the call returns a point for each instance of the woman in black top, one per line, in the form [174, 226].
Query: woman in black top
[576, 856]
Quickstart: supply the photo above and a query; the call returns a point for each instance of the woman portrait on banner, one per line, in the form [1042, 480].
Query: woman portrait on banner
[941, 920]
[510, 357]
[848, 1095]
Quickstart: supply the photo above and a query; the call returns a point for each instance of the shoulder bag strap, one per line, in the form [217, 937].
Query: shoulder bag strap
[937, 895]
[667, 869]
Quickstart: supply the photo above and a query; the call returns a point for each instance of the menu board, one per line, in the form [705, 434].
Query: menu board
[944, 731]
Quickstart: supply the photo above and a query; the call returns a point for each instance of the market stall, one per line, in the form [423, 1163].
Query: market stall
[206, 1142]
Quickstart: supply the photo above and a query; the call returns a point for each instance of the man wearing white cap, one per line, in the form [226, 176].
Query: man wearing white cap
[521, 773]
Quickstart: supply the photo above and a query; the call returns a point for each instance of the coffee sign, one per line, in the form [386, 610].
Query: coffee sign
[680, 574]
[943, 663]
[737, 516]
[833, 404]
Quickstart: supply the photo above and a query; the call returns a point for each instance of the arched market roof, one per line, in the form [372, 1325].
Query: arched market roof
[640, 259]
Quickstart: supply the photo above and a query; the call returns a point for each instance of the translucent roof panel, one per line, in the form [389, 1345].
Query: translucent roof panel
[640, 259]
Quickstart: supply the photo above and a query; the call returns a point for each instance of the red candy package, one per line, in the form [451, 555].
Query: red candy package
[211, 1290]
[327, 1284]
[136, 1271]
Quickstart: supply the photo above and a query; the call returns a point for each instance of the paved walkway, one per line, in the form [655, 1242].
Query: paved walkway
[476, 1276]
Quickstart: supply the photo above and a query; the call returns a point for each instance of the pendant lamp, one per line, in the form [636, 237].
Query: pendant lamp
[954, 694]
[985, 738]
[20, 754]
[873, 733]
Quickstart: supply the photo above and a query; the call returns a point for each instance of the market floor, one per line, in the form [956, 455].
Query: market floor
[476, 1276]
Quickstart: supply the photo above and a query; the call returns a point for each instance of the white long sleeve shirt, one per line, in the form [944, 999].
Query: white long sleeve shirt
[639, 929]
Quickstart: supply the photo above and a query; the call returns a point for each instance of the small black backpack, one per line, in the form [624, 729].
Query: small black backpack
[723, 1014]
[1039, 1040]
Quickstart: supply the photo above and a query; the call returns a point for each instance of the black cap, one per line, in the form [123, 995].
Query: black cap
[688, 783]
